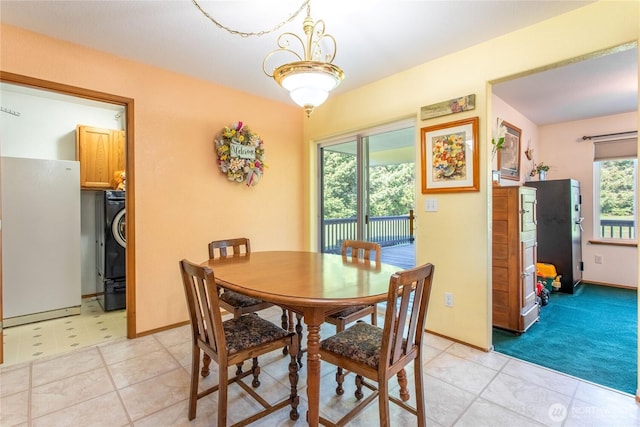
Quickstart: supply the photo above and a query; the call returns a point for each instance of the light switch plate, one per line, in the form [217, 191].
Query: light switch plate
[431, 205]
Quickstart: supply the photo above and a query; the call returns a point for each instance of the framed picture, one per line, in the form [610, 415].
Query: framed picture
[509, 156]
[449, 157]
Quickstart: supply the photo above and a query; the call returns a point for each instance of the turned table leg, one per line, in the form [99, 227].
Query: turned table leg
[313, 318]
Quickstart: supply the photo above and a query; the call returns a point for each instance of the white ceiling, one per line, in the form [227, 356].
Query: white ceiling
[599, 86]
[375, 39]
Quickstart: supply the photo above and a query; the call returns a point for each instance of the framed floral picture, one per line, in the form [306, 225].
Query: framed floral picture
[509, 156]
[449, 157]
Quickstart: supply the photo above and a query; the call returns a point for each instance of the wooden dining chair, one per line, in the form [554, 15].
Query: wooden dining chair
[231, 342]
[235, 303]
[379, 354]
[355, 251]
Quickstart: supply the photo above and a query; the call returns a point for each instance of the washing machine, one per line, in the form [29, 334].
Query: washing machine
[111, 244]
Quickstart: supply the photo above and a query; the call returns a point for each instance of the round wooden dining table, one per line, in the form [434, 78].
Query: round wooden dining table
[311, 283]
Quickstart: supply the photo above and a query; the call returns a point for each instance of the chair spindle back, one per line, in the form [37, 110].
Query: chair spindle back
[229, 247]
[204, 306]
[407, 303]
[353, 248]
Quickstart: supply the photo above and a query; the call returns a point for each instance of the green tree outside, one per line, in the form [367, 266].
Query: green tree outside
[339, 185]
[616, 188]
[617, 196]
[391, 187]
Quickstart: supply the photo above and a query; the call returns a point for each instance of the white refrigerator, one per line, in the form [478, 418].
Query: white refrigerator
[41, 260]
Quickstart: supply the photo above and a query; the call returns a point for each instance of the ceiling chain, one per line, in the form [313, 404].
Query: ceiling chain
[259, 33]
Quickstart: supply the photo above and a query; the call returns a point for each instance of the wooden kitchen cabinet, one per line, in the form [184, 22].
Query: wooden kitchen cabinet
[515, 305]
[101, 153]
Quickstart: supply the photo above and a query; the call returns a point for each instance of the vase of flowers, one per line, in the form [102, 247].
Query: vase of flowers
[541, 169]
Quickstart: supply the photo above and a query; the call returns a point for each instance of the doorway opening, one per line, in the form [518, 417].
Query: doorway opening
[125, 106]
[543, 102]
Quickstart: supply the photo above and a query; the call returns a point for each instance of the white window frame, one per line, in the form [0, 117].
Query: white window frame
[596, 202]
[358, 137]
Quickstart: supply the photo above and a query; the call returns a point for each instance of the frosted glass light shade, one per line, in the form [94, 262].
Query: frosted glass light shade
[308, 82]
[307, 96]
[309, 87]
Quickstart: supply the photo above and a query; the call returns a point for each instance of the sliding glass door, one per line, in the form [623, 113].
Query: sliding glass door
[339, 189]
[367, 187]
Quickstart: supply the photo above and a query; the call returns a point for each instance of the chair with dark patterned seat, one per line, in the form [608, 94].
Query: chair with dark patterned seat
[379, 354]
[235, 303]
[352, 251]
[355, 251]
[231, 342]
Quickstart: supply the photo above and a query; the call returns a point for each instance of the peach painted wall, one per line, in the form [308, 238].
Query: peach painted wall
[182, 200]
[561, 147]
[569, 156]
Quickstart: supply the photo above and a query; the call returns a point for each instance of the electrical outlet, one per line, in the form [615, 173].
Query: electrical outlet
[598, 259]
[448, 299]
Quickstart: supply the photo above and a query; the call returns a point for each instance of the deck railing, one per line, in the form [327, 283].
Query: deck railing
[398, 229]
[617, 229]
[385, 230]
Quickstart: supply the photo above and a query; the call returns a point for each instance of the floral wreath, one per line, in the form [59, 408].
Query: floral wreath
[240, 154]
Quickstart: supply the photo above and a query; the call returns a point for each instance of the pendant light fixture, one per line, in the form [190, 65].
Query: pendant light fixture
[310, 79]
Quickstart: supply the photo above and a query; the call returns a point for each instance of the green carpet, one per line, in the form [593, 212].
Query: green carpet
[591, 334]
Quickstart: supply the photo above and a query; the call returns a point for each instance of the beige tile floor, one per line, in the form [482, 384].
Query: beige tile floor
[36, 340]
[145, 381]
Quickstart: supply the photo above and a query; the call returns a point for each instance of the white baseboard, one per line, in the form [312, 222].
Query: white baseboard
[38, 317]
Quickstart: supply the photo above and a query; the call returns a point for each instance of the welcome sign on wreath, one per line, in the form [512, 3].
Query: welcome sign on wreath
[240, 154]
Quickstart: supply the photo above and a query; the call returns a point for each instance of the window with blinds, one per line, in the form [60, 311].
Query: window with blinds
[615, 165]
[615, 149]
